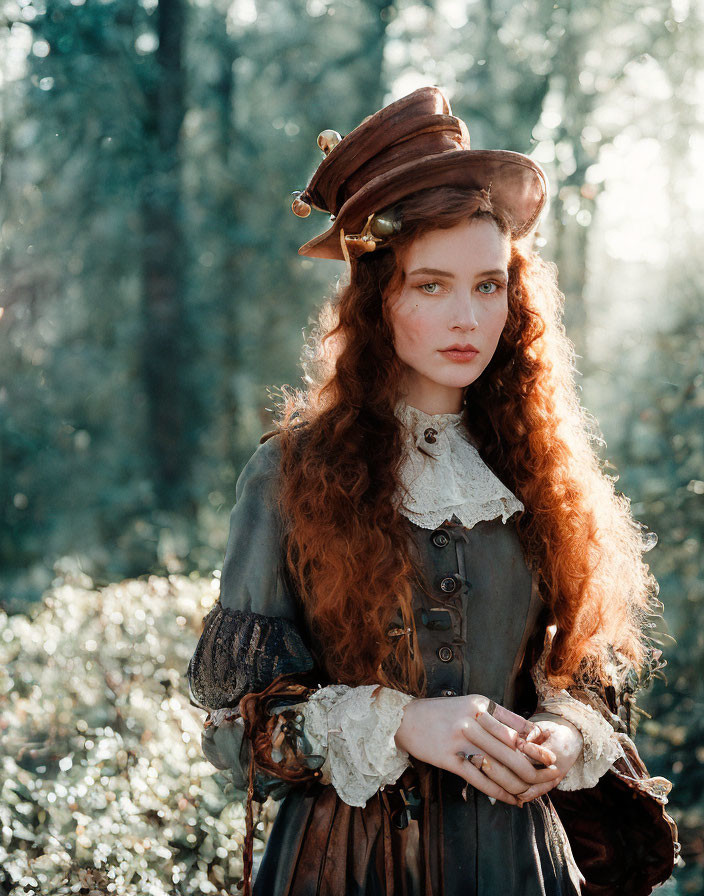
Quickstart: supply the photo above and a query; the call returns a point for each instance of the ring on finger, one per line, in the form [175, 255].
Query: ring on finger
[491, 707]
[480, 761]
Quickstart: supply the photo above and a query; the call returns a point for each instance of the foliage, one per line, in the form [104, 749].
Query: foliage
[103, 785]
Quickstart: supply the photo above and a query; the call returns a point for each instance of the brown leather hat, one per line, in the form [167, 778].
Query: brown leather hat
[410, 145]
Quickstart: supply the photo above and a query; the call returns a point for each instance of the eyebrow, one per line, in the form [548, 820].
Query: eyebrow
[434, 272]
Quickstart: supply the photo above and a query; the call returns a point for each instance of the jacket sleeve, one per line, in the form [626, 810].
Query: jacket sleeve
[597, 711]
[254, 632]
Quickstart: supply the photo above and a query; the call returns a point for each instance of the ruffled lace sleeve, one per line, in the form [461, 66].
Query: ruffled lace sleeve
[602, 745]
[354, 728]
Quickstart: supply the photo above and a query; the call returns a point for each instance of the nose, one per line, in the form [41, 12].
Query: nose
[463, 313]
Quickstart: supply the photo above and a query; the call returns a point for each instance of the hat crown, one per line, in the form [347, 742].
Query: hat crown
[417, 125]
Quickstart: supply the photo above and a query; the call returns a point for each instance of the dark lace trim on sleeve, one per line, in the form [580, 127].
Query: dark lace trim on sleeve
[239, 653]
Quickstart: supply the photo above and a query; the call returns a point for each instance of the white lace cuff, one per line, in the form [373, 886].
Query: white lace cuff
[601, 743]
[355, 733]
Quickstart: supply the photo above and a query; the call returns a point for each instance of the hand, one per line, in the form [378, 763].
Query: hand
[441, 730]
[565, 741]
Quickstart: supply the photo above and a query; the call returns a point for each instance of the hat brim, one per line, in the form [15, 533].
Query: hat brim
[518, 189]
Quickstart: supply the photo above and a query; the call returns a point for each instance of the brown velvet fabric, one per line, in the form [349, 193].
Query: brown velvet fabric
[622, 838]
[621, 835]
[339, 844]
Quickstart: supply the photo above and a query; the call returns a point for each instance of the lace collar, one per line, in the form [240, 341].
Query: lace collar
[444, 475]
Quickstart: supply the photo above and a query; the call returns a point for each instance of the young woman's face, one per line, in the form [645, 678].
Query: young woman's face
[454, 294]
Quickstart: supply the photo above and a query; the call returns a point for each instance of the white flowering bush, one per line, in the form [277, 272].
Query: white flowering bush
[104, 788]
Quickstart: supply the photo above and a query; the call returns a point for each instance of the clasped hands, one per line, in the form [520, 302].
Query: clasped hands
[521, 758]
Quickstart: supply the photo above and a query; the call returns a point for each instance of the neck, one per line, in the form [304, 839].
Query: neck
[448, 403]
[404, 405]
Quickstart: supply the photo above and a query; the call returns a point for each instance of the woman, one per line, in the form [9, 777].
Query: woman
[433, 604]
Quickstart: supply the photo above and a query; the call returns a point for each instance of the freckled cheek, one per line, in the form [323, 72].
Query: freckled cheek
[412, 327]
[496, 321]
[415, 332]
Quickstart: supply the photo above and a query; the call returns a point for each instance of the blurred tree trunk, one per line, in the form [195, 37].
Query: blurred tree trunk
[570, 244]
[222, 210]
[165, 337]
[373, 90]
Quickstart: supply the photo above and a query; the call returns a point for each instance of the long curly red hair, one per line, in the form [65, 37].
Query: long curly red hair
[347, 544]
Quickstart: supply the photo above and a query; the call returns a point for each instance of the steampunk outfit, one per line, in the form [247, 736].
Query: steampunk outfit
[358, 816]
[370, 820]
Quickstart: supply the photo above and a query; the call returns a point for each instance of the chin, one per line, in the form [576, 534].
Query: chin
[458, 382]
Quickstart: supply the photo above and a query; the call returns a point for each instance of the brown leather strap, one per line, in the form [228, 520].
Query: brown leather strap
[248, 848]
[427, 780]
[258, 726]
[431, 830]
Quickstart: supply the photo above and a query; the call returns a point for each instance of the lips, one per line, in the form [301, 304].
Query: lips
[461, 348]
[460, 355]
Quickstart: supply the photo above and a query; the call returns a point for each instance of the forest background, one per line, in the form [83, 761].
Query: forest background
[151, 298]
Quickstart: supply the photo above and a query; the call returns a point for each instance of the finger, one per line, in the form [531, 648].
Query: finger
[534, 791]
[469, 750]
[505, 734]
[537, 735]
[479, 780]
[515, 760]
[513, 720]
[508, 779]
[499, 774]
[477, 759]
[537, 752]
[512, 739]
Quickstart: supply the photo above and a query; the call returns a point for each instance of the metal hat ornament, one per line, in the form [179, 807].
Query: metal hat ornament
[412, 144]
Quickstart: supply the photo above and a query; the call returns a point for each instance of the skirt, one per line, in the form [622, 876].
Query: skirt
[401, 845]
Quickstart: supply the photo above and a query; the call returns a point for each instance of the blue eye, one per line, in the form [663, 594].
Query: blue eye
[423, 285]
[489, 283]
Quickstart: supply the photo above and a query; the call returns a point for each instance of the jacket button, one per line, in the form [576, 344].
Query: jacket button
[440, 538]
[429, 434]
[445, 653]
[448, 584]
[448, 692]
[436, 619]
